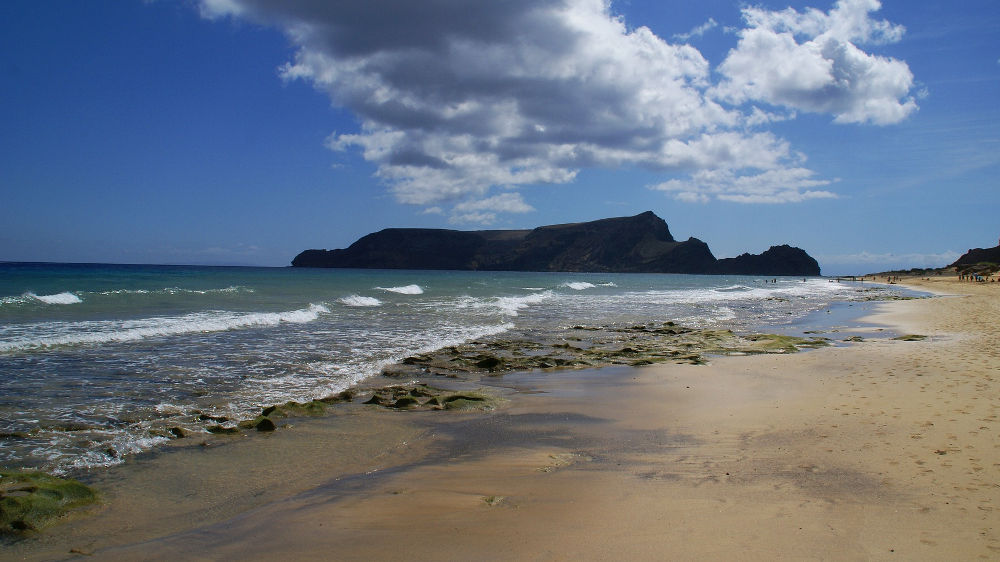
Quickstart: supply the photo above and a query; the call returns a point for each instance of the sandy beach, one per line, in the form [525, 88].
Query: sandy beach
[878, 450]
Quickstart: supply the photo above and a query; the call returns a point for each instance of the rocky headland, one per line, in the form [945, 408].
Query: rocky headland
[981, 261]
[638, 244]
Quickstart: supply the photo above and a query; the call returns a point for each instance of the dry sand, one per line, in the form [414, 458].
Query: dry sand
[882, 450]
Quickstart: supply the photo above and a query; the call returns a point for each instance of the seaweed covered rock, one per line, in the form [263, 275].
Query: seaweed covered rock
[292, 409]
[468, 401]
[425, 397]
[593, 347]
[31, 500]
[260, 423]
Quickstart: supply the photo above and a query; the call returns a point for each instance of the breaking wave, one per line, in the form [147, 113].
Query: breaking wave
[404, 290]
[511, 305]
[94, 332]
[355, 300]
[61, 298]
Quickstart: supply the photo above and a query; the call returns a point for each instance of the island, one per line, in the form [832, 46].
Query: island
[637, 244]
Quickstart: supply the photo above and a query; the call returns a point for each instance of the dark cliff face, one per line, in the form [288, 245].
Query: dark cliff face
[978, 255]
[400, 248]
[777, 260]
[639, 244]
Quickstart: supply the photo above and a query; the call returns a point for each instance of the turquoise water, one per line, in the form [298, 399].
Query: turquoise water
[97, 360]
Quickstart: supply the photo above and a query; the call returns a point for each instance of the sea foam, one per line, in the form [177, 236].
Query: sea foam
[404, 290]
[578, 285]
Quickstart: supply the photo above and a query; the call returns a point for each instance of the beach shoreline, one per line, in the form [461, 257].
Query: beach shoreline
[880, 450]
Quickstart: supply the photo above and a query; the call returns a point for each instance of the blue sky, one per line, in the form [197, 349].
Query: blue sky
[243, 131]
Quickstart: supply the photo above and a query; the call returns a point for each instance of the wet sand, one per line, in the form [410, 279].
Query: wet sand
[884, 449]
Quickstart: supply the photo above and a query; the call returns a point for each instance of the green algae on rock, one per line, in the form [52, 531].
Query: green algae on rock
[593, 347]
[426, 397]
[469, 401]
[29, 501]
[910, 337]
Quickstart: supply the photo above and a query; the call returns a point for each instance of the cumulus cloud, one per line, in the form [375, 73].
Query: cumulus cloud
[460, 99]
[811, 61]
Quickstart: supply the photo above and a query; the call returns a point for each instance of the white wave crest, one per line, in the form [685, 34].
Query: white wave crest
[511, 305]
[355, 300]
[404, 290]
[93, 332]
[61, 298]
[176, 291]
[734, 288]
[578, 285]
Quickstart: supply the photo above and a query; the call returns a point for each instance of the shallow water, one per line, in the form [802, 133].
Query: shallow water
[97, 361]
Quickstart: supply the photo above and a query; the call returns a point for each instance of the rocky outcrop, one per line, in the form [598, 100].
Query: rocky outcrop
[639, 244]
[777, 260]
[978, 255]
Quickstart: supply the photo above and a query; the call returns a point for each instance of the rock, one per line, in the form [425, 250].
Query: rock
[297, 409]
[489, 362]
[405, 403]
[777, 260]
[976, 256]
[31, 500]
[14, 435]
[468, 401]
[260, 423]
[422, 391]
[221, 430]
[638, 244]
[344, 396]
[265, 424]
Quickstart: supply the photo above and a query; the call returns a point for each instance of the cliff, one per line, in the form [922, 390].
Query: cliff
[976, 256]
[777, 260]
[639, 244]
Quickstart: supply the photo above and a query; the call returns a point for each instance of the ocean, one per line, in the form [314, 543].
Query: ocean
[96, 361]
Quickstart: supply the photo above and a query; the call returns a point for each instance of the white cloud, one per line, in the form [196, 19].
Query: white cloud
[504, 203]
[484, 211]
[871, 261]
[811, 61]
[698, 31]
[459, 100]
[784, 185]
[484, 219]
